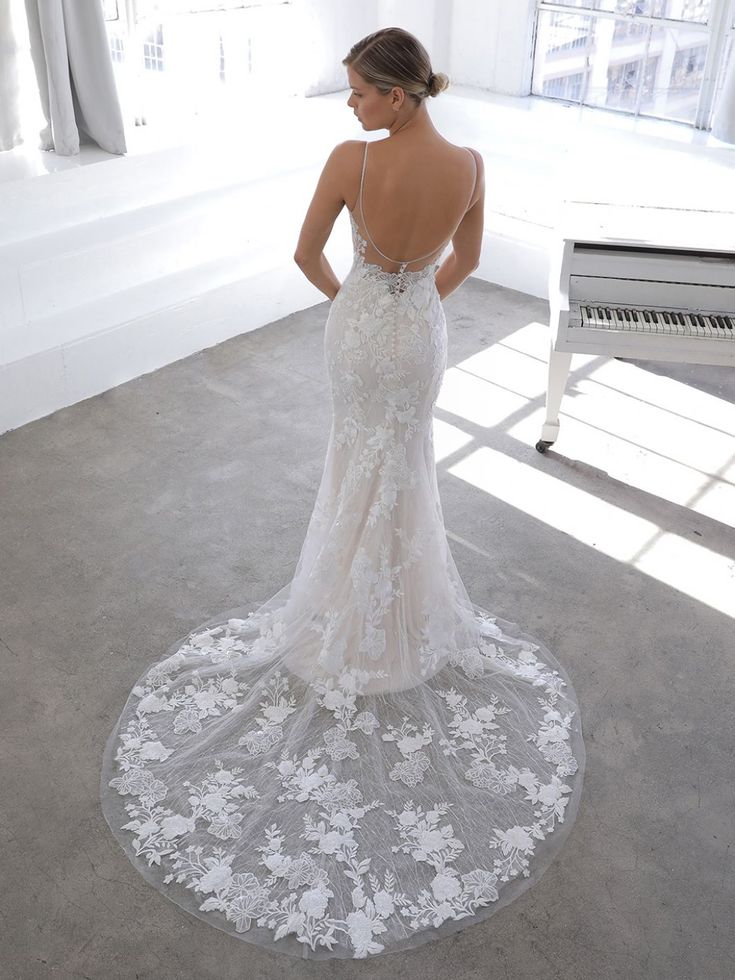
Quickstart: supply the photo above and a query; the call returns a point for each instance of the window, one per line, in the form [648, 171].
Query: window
[175, 60]
[153, 50]
[117, 48]
[659, 58]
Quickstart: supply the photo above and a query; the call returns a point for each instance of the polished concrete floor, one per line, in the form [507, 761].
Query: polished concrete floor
[130, 518]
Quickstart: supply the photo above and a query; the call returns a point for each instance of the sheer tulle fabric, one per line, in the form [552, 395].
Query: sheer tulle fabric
[367, 760]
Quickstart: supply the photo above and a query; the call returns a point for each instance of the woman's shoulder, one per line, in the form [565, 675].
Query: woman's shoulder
[479, 172]
[458, 151]
[475, 153]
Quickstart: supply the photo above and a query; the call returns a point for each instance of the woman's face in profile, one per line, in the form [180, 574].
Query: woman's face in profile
[367, 103]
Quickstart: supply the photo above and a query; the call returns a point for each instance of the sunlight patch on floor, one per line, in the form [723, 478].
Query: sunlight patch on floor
[650, 432]
[472, 398]
[633, 429]
[684, 565]
[448, 439]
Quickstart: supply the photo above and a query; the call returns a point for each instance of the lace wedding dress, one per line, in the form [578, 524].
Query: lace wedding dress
[367, 760]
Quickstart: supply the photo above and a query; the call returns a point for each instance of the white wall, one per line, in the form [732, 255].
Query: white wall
[425, 19]
[481, 43]
[490, 41]
[331, 27]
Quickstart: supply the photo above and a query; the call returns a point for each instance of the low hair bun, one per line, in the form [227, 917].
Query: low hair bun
[437, 83]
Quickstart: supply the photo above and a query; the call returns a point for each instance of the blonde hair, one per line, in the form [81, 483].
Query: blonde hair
[394, 57]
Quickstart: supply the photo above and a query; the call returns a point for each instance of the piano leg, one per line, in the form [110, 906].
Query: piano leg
[559, 364]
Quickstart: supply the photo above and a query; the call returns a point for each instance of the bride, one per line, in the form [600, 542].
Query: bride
[368, 760]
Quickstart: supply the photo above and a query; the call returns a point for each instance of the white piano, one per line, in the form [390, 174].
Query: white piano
[641, 282]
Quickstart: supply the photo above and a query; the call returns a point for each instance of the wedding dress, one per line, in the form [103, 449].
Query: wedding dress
[368, 760]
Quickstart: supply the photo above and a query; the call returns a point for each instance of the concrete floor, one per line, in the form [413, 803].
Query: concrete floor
[132, 517]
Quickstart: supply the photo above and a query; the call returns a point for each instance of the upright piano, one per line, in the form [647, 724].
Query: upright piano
[641, 282]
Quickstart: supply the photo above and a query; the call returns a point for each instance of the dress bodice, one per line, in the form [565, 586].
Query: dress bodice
[396, 280]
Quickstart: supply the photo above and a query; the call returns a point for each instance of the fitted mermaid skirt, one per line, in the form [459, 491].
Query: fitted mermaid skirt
[368, 760]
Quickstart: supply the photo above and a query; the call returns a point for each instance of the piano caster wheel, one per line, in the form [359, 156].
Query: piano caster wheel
[542, 445]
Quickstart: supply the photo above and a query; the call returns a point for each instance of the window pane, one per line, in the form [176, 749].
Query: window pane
[681, 55]
[729, 53]
[655, 71]
[564, 47]
[687, 10]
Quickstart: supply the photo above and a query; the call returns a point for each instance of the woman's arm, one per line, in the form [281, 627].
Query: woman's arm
[466, 241]
[323, 211]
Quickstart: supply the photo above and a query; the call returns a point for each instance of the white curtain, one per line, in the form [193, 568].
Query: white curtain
[73, 67]
[723, 124]
[10, 133]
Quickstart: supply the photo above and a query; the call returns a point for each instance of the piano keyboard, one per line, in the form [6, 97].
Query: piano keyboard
[678, 323]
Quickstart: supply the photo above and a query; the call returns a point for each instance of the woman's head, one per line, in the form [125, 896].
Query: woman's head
[390, 71]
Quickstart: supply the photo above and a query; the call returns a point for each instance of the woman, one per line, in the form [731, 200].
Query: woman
[366, 761]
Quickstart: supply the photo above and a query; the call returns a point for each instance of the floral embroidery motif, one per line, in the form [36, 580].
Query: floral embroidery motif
[277, 706]
[199, 699]
[475, 730]
[409, 741]
[155, 826]
[450, 895]
[340, 697]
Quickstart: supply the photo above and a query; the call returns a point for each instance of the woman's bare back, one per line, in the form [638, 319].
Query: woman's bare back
[415, 195]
